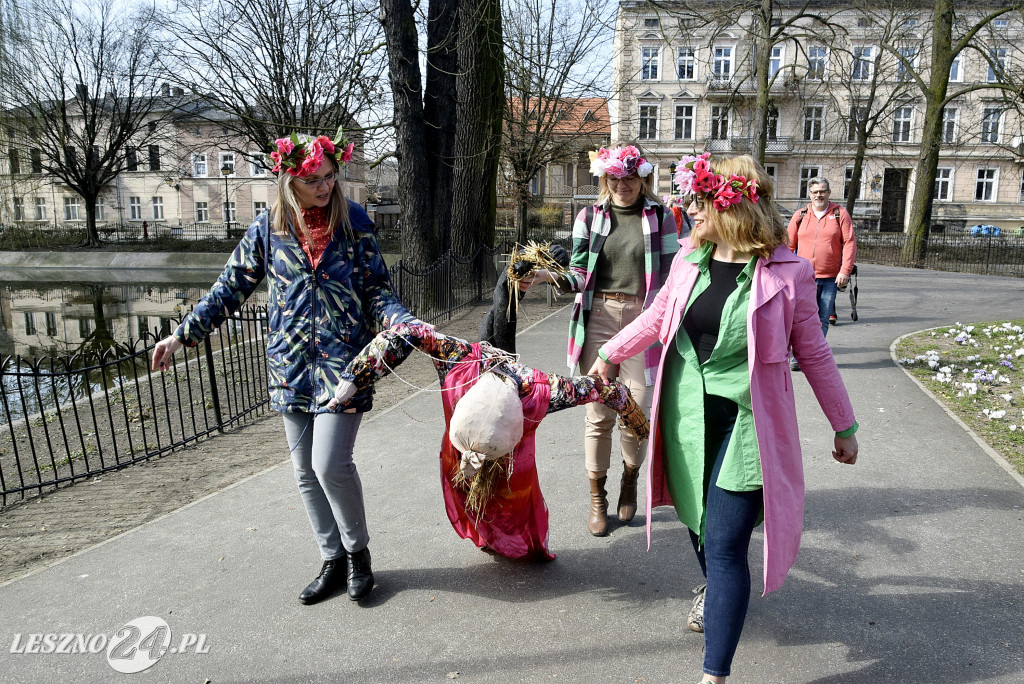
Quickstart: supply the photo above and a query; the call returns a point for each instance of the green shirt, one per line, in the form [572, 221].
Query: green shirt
[681, 415]
[620, 265]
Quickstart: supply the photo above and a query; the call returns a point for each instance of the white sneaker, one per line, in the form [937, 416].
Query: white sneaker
[695, 620]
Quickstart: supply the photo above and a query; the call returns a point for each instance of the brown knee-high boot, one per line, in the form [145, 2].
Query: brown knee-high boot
[627, 492]
[598, 523]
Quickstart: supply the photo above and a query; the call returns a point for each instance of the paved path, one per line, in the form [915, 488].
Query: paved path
[912, 566]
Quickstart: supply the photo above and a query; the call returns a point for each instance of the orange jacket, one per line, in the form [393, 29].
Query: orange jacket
[828, 243]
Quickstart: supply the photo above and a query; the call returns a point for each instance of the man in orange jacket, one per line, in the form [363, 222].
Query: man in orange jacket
[822, 233]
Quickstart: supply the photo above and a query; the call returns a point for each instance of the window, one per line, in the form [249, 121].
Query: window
[772, 125]
[158, 208]
[686, 64]
[719, 122]
[648, 122]
[256, 167]
[229, 212]
[40, 207]
[85, 327]
[202, 212]
[949, 116]
[956, 72]
[901, 123]
[722, 64]
[100, 209]
[910, 23]
[19, 208]
[905, 70]
[650, 22]
[848, 182]
[51, 324]
[30, 323]
[152, 126]
[817, 59]
[943, 184]
[996, 64]
[985, 186]
[771, 169]
[258, 208]
[70, 157]
[36, 156]
[71, 207]
[684, 122]
[649, 57]
[863, 22]
[806, 174]
[131, 159]
[199, 164]
[1000, 23]
[15, 162]
[154, 157]
[134, 208]
[990, 125]
[813, 121]
[863, 62]
[775, 62]
[857, 116]
[1020, 193]
[227, 159]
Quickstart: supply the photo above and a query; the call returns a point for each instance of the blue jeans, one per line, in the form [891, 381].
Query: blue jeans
[827, 290]
[321, 448]
[729, 521]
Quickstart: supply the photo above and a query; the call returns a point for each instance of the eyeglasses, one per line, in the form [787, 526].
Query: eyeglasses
[316, 182]
[820, 192]
[689, 199]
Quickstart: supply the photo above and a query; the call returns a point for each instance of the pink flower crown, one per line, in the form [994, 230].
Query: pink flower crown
[695, 176]
[619, 162]
[301, 155]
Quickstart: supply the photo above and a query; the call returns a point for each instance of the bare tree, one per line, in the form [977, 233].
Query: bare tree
[83, 80]
[264, 68]
[554, 67]
[955, 31]
[447, 135]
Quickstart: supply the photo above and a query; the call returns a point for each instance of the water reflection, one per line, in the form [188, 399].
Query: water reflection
[63, 319]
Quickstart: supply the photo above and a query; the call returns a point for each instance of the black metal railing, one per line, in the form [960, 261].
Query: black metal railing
[66, 419]
[959, 252]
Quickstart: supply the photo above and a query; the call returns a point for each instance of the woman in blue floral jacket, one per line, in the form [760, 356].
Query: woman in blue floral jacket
[329, 294]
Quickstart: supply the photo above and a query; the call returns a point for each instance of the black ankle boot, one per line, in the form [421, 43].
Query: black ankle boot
[360, 577]
[332, 576]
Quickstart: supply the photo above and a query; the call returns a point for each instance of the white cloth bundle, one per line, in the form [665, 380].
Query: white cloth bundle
[487, 422]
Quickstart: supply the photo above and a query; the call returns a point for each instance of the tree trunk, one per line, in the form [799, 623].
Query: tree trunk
[419, 241]
[440, 111]
[92, 235]
[858, 171]
[762, 59]
[916, 246]
[522, 217]
[478, 125]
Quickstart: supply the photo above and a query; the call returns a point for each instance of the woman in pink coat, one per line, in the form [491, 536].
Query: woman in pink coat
[724, 447]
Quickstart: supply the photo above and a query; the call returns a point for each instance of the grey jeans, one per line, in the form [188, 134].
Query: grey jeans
[321, 449]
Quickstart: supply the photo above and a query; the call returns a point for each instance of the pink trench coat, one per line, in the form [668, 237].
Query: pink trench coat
[783, 311]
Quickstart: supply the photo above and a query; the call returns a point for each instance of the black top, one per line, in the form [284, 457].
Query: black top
[704, 317]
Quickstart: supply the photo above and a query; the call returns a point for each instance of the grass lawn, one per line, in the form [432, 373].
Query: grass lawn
[977, 370]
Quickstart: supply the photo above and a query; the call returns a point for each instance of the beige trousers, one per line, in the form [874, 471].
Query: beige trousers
[608, 317]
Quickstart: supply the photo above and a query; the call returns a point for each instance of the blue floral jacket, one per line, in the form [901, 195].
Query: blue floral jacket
[319, 319]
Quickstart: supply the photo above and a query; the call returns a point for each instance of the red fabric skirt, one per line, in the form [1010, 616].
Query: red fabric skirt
[514, 522]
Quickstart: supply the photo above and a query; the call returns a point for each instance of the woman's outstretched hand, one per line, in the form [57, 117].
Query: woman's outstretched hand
[846, 450]
[600, 369]
[163, 351]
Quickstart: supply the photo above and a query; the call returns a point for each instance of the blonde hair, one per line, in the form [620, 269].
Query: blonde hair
[747, 227]
[286, 215]
[646, 183]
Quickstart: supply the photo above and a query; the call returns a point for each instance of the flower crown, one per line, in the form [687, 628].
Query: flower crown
[695, 176]
[301, 155]
[619, 162]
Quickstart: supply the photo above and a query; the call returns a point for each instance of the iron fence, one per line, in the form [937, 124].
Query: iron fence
[959, 252]
[70, 418]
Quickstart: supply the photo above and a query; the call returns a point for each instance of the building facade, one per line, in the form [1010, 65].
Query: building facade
[685, 83]
[192, 172]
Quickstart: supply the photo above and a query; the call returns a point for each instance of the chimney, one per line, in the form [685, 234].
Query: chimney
[179, 92]
[82, 91]
[165, 89]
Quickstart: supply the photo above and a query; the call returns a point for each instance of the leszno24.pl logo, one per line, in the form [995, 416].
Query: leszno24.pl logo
[137, 646]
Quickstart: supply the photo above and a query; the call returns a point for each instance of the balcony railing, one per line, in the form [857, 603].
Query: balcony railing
[775, 145]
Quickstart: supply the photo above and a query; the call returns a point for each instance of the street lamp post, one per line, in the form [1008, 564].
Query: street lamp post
[226, 171]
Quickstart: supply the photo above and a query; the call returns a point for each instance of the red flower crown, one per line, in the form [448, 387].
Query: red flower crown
[694, 175]
[301, 155]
